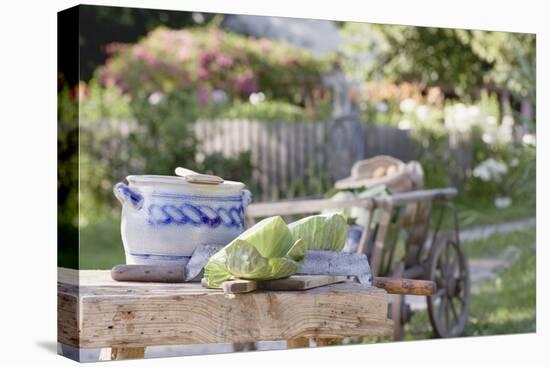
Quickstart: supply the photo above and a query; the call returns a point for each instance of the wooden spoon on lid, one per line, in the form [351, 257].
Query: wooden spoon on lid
[199, 178]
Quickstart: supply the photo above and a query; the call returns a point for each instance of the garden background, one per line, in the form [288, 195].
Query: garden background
[286, 105]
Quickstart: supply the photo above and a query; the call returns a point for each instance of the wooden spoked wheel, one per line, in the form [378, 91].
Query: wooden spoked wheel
[448, 268]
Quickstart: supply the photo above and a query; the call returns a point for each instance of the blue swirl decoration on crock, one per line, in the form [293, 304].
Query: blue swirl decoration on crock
[196, 215]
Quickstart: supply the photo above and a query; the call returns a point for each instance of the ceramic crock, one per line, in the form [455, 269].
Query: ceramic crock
[164, 218]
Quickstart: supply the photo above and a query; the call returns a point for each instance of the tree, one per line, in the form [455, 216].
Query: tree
[459, 61]
[100, 25]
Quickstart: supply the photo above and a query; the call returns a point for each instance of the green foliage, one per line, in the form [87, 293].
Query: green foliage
[67, 178]
[517, 183]
[121, 136]
[443, 132]
[207, 59]
[67, 105]
[415, 55]
[99, 102]
[459, 61]
[100, 25]
[164, 135]
[229, 168]
[512, 57]
[270, 111]
[401, 104]
[522, 180]
[101, 243]
[67, 152]
[432, 151]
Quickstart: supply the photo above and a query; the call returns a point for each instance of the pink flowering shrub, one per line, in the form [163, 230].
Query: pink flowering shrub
[211, 60]
[139, 108]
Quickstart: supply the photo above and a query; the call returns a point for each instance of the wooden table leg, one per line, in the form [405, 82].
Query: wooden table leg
[297, 343]
[105, 354]
[239, 347]
[118, 353]
[396, 306]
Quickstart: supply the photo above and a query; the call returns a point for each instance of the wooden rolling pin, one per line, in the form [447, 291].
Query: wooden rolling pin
[176, 274]
[413, 287]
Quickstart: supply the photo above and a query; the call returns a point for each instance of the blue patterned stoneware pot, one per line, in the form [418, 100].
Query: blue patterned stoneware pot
[165, 217]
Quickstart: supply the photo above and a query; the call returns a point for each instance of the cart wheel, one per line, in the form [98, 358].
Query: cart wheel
[448, 268]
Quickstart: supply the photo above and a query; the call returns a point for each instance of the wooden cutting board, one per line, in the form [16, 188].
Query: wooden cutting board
[293, 283]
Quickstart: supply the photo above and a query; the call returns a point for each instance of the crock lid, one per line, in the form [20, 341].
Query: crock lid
[183, 184]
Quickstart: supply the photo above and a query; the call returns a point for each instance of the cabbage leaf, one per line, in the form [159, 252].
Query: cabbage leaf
[325, 232]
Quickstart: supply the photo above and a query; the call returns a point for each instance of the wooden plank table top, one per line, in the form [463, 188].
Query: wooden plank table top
[95, 311]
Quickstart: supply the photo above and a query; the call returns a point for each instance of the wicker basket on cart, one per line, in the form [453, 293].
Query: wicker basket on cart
[395, 174]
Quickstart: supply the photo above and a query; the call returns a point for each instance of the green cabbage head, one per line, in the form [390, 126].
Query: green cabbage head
[271, 249]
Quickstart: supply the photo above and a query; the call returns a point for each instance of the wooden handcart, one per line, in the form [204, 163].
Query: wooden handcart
[401, 241]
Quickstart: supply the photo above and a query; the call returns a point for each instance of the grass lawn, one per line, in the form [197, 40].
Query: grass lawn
[101, 245]
[472, 216]
[503, 305]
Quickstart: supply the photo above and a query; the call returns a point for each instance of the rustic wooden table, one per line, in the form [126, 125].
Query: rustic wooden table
[96, 312]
